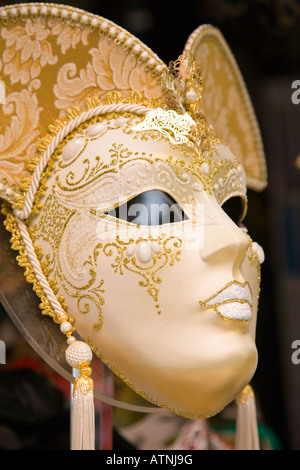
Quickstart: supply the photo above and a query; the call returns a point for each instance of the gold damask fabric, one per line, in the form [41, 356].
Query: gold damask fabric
[54, 57]
[226, 104]
[48, 64]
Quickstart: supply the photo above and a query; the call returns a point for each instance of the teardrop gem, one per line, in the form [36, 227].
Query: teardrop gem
[72, 148]
[155, 247]
[144, 251]
[96, 129]
[130, 250]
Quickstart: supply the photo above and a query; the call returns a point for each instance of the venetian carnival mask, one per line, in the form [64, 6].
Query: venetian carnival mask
[117, 175]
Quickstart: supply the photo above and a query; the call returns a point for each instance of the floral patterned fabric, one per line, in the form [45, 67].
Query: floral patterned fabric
[54, 57]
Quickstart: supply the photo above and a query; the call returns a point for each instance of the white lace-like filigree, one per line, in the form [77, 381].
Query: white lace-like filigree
[175, 127]
[234, 183]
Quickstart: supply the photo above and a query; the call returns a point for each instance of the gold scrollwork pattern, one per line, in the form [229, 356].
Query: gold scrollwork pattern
[51, 227]
[167, 252]
[86, 295]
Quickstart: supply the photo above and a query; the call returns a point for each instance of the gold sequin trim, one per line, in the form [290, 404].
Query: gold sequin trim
[130, 384]
[23, 261]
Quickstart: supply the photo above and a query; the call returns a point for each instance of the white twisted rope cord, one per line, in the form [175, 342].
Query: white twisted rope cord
[59, 311]
[38, 271]
[101, 109]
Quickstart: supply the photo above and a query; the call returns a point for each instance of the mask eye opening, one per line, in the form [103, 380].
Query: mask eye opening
[149, 208]
[236, 208]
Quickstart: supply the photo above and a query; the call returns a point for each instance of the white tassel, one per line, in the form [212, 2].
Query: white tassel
[79, 355]
[246, 428]
[83, 412]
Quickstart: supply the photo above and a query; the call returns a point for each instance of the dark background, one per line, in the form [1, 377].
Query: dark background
[264, 36]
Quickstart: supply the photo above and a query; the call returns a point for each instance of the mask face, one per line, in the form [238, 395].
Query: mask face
[160, 281]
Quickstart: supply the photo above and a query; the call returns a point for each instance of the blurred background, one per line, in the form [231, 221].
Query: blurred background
[264, 36]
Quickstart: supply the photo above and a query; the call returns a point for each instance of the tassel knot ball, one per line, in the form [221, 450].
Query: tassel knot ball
[78, 353]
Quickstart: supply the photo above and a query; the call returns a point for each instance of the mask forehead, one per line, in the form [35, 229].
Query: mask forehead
[117, 157]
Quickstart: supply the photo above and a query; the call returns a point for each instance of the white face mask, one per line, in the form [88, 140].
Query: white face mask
[167, 305]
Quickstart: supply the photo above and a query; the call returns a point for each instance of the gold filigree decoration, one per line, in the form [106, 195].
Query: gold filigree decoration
[182, 81]
[53, 221]
[90, 174]
[86, 295]
[254, 261]
[23, 261]
[204, 150]
[203, 135]
[57, 125]
[119, 155]
[169, 251]
[175, 127]
[51, 227]
[191, 139]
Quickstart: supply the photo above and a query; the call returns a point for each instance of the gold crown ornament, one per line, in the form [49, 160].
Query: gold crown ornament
[92, 121]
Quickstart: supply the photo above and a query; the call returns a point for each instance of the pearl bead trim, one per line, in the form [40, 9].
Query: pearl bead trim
[76, 17]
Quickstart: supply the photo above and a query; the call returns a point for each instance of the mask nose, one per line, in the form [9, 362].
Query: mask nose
[226, 245]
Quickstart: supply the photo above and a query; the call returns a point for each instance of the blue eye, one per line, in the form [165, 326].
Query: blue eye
[150, 208]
